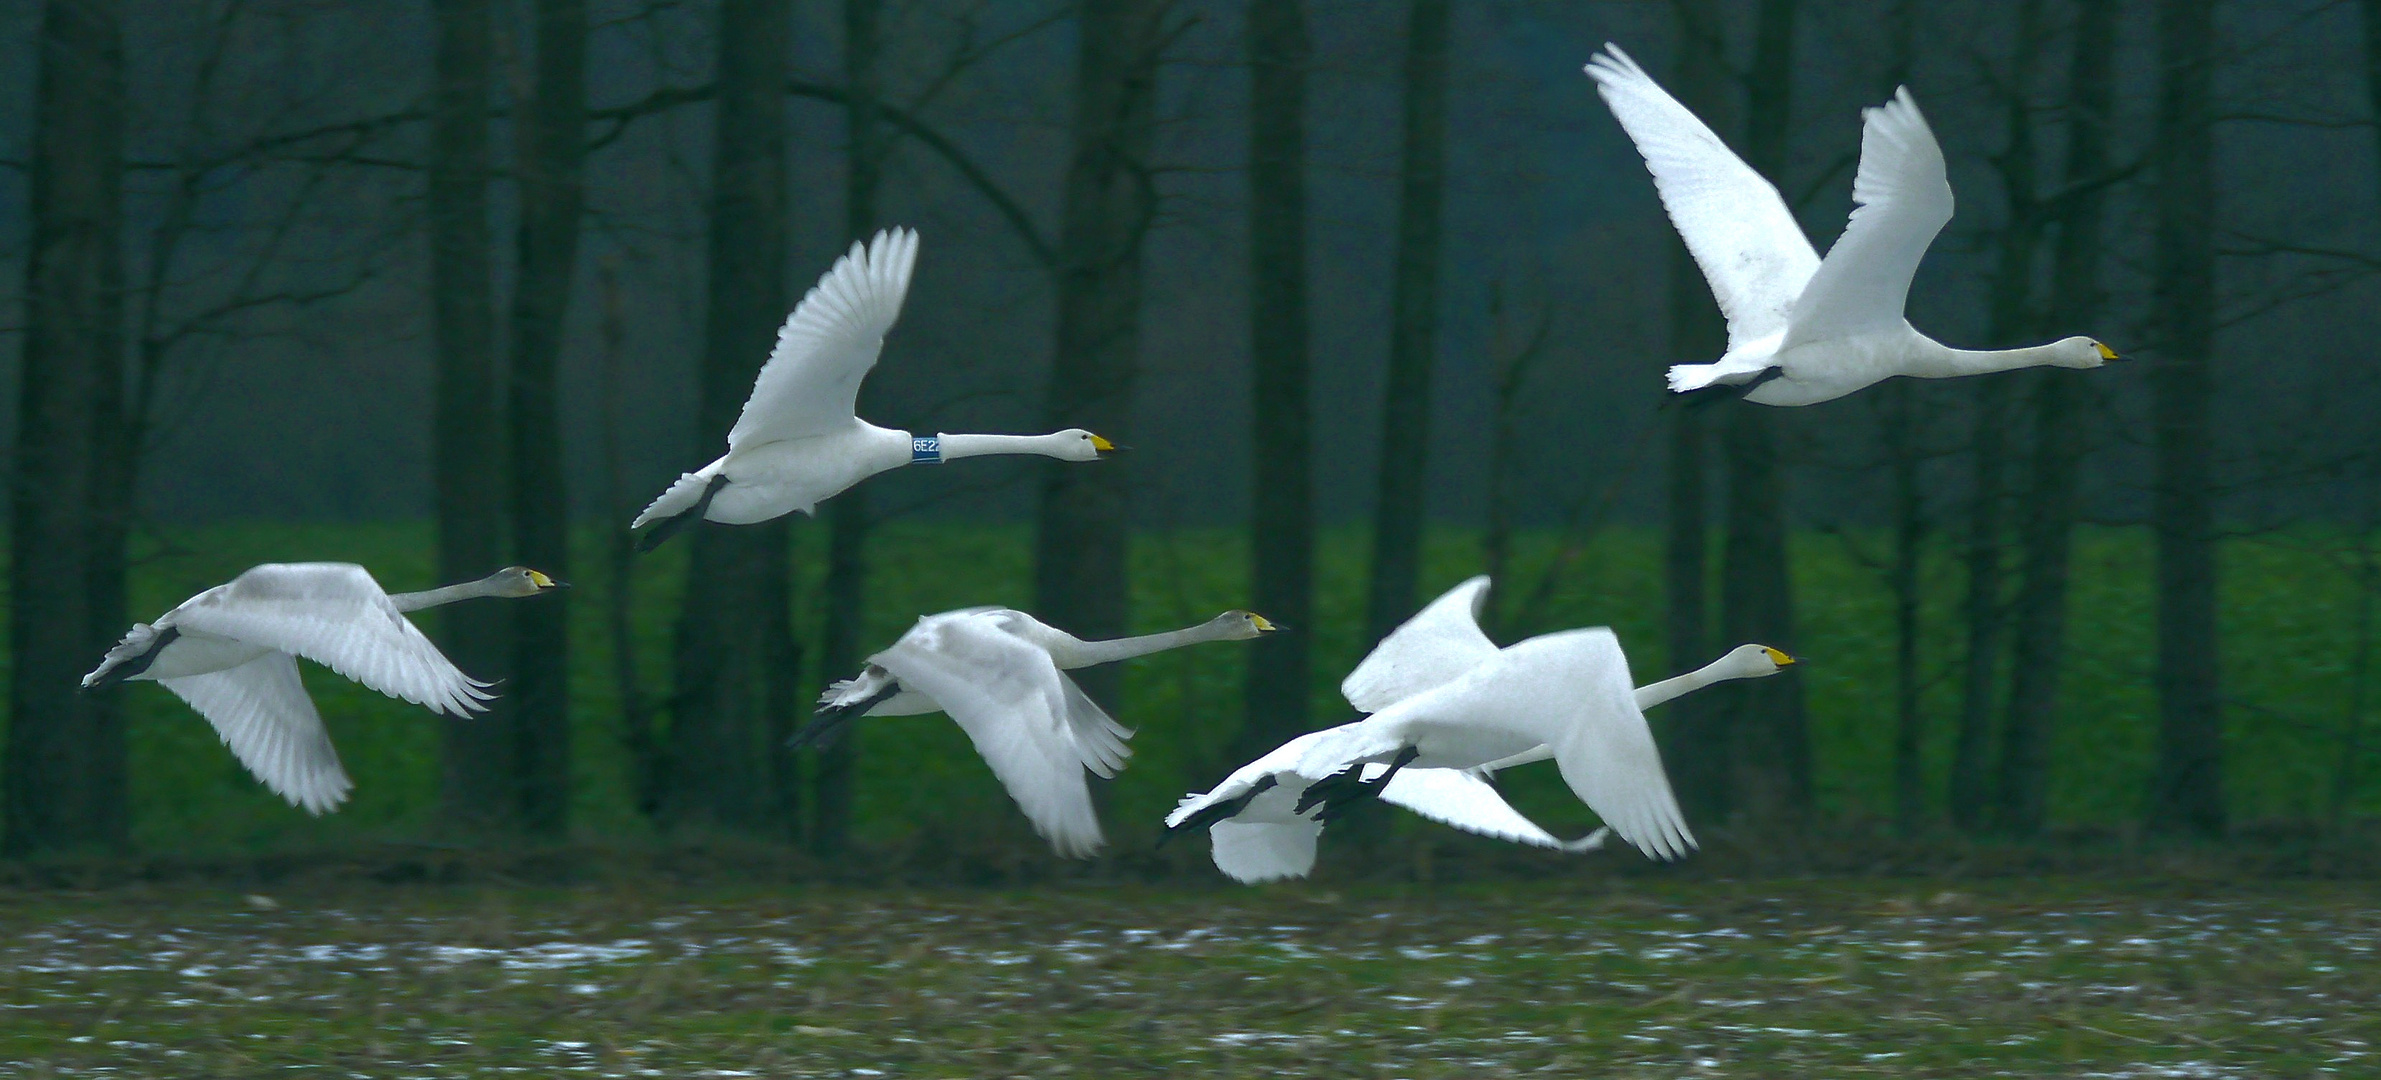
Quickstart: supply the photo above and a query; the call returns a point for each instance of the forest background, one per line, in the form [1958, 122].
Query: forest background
[1379, 294]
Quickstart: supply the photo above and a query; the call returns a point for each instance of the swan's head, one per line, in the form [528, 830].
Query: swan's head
[2083, 352]
[522, 581]
[1240, 625]
[1076, 444]
[1753, 662]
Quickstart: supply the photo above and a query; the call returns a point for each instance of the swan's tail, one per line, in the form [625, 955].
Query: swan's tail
[679, 506]
[130, 656]
[1683, 377]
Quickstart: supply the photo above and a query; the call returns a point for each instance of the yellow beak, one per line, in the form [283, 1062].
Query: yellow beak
[539, 579]
[1778, 658]
[1101, 445]
[2106, 353]
[1264, 625]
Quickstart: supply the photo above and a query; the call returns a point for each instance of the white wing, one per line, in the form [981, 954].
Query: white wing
[1251, 852]
[1440, 642]
[1032, 725]
[1462, 799]
[335, 615]
[1601, 742]
[1748, 244]
[1901, 199]
[812, 380]
[261, 711]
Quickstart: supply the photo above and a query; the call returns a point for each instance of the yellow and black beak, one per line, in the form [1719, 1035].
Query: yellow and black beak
[2106, 353]
[539, 579]
[1263, 624]
[1107, 449]
[1779, 658]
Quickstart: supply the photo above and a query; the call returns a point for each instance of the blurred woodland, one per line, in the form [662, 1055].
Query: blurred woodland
[1379, 294]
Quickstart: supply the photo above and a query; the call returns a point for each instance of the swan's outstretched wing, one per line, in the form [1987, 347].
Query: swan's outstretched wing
[1032, 725]
[1748, 244]
[335, 615]
[812, 379]
[1440, 642]
[1251, 852]
[1601, 742]
[1462, 799]
[1901, 199]
[260, 710]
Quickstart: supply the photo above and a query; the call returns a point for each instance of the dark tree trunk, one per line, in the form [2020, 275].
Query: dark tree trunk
[1080, 553]
[2010, 316]
[551, 135]
[2187, 785]
[481, 779]
[1756, 595]
[1903, 455]
[2047, 519]
[1413, 329]
[648, 779]
[1281, 527]
[848, 522]
[65, 754]
[1698, 732]
[734, 631]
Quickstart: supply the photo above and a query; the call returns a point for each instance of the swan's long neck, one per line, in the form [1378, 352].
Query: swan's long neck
[1940, 361]
[430, 598]
[967, 446]
[1087, 653]
[1652, 694]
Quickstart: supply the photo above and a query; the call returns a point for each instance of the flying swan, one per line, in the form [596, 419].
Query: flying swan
[1001, 675]
[1802, 330]
[797, 443]
[231, 653]
[1257, 825]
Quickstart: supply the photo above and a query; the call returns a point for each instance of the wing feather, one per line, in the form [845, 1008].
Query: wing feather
[1605, 750]
[1750, 248]
[1441, 642]
[1462, 799]
[260, 710]
[335, 615]
[1026, 718]
[1901, 200]
[811, 384]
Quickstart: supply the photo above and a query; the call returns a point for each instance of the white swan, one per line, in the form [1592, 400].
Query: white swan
[230, 652]
[797, 443]
[1260, 833]
[1001, 675]
[1802, 331]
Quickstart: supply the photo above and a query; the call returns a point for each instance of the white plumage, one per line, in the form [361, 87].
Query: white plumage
[798, 442]
[229, 652]
[1001, 675]
[1457, 708]
[1802, 330]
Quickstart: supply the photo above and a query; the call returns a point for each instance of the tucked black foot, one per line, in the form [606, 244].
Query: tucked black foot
[138, 664]
[1706, 396]
[1345, 788]
[830, 721]
[669, 526]
[1222, 811]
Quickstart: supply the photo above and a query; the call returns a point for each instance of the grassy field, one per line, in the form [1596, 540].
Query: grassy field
[1592, 977]
[2287, 622]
